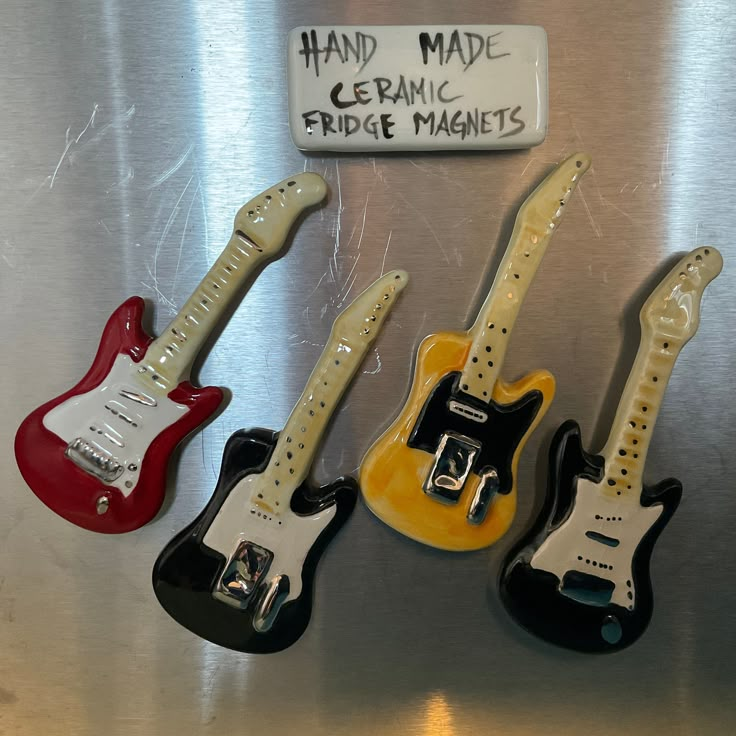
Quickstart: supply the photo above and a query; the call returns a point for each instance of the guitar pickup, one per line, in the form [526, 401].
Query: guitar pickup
[469, 412]
[93, 459]
[453, 462]
[240, 578]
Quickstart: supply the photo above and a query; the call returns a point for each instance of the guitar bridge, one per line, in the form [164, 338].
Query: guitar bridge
[243, 571]
[453, 462]
[93, 459]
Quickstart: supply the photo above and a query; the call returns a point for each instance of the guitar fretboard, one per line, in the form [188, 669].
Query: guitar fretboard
[669, 318]
[171, 355]
[351, 337]
[538, 219]
[626, 450]
[260, 231]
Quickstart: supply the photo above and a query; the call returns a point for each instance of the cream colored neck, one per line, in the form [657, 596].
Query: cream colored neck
[171, 354]
[350, 338]
[669, 318]
[625, 452]
[538, 219]
[260, 231]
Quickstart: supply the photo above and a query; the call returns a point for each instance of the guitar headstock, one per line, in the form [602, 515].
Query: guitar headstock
[545, 206]
[363, 319]
[673, 309]
[264, 222]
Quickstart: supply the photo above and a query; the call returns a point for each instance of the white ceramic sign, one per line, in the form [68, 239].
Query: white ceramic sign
[373, 88]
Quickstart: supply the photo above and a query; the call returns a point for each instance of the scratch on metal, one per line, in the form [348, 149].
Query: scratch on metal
[168, 173]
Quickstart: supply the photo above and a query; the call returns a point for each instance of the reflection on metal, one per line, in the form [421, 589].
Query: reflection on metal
[654, 108]
[438, 717]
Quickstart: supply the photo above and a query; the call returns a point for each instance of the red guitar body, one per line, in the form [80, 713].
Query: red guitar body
[73, 493]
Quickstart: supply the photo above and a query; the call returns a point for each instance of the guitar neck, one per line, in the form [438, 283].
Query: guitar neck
[260, 231]
[669, 318]
[538, 219]
[352, 335]
[625, 452]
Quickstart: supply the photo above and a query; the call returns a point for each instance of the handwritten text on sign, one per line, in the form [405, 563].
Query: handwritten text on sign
[415, 87]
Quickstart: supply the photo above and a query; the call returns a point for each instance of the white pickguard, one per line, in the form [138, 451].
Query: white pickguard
[287, 536]
[117, 424]
[621, 518]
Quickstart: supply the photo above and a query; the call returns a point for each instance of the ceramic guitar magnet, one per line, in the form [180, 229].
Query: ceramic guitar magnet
[97, 455]
[241, 574]
[581, 578]
[409, 88]
[444, 473]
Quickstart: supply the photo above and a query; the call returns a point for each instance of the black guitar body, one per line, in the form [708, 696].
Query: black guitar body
[186, 570]
[534, 597]
[499, 435]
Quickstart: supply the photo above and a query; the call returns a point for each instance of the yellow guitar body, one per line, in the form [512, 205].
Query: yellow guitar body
[392, 473]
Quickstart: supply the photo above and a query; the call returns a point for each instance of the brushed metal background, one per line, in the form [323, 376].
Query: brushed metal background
[129, 135]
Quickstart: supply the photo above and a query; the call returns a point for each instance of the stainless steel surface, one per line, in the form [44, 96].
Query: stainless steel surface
[131, 133]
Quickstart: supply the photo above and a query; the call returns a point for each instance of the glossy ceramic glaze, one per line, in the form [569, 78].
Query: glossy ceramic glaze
[417, 87]
[135, 404]
[580, 578]
[395, 470]
[131, 134]
[264, 503]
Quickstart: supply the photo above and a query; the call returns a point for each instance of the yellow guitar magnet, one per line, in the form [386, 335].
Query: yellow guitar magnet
[444, 473]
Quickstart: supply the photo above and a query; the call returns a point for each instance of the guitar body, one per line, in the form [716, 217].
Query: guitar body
[187, 571]
[148, 434]
[394, 471]
[599, 596]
